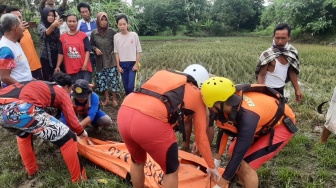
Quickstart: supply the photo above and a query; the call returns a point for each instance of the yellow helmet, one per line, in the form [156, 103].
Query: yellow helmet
[218, 89]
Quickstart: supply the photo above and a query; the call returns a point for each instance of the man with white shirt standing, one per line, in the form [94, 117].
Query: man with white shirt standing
[280, 63]
[14, 66]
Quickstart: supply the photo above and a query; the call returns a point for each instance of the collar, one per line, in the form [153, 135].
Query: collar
[91, 20]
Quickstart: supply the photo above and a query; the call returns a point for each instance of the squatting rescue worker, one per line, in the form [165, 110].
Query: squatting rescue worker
[86, 104]
[145, 127]
[250, 149]
[22, 108]
[200, 74]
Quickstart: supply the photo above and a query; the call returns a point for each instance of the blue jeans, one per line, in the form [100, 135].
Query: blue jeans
[128, 76]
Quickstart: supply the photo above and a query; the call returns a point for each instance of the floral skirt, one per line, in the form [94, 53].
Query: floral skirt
[107, 79]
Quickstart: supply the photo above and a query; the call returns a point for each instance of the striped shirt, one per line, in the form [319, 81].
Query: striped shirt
[87, 27]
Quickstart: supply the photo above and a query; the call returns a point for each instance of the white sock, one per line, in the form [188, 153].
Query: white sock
[216, 186]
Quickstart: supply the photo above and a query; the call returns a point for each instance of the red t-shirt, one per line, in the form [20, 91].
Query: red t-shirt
[73, 48]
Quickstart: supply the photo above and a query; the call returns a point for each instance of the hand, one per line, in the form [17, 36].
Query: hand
[57, 23]
[194, 149]
[84, 68]
[217, 163]
[98, 52]
[298, 95]
[120, 69]
[57, 69]
[83, 135]
[25, 25]
[135, 67]
[213, 172]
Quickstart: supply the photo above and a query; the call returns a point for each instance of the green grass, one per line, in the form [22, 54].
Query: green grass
[302, 163]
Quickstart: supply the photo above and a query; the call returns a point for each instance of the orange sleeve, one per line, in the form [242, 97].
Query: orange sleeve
[193, 101]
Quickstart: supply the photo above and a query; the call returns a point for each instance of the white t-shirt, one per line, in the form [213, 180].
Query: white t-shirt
[127, 46]
[12, 57]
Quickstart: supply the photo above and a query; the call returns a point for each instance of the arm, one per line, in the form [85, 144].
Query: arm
[42, 4]
[92, 111]
[96, 50]
[65, 104]
[59, 62]
[294, 79]
[193, 101]
[85, 122]
[87, 52]
[50, 29]
[117, 54]
[92, 41]
[64, 4]
[262, 74]
[7, 63]
[247, 122]
[6, 78]
[60, 56]
[86, 60]
[138, 50]
[117, 60]
[137, 58]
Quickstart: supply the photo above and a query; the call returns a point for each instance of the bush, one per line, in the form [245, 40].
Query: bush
[220, 29]
[191, 28]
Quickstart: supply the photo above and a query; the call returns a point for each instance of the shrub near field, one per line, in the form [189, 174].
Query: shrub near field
[302, 163]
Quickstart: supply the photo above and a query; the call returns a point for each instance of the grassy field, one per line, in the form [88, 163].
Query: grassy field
[302, 163]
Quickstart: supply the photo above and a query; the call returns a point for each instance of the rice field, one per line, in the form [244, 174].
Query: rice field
[303, 162]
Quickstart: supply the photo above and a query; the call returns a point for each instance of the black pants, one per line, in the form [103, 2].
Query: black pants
[280, 90]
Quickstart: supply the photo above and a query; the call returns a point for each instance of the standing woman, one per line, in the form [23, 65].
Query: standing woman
[49, 35]
[102, 45]
[127, 49]
[74, 48]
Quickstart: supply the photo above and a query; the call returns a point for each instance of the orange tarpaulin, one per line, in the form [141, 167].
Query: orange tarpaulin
[115, 157]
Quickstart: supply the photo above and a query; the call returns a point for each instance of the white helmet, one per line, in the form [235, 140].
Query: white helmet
[199, 73]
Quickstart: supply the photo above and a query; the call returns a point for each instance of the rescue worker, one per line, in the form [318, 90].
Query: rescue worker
[87, 106]
[22, 108]
[259, 119]
[200, 74]
[146, 120]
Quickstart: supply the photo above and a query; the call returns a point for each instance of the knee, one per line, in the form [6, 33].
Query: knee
[105, 121]
[245, 171]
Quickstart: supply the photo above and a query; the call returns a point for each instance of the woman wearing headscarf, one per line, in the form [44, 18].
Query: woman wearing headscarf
[107, 72]
[49, 35]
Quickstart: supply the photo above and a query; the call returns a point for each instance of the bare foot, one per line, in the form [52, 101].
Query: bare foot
[105, 102]
[115, 103]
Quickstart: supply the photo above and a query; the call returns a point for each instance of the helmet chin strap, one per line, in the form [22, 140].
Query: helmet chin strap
[220, 113]
[232, 114]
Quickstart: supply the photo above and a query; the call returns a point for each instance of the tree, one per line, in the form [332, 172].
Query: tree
[313, 16]
[156, 15]
[235, 13]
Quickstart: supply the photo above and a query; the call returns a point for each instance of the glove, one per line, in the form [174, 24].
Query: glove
[83, 135]
[217, 163]
[213, 172]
